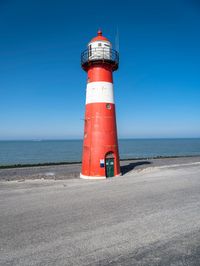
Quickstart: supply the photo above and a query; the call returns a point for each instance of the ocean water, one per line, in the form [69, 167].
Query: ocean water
[25, 152]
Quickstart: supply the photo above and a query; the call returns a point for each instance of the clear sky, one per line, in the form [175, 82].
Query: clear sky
[42, 86]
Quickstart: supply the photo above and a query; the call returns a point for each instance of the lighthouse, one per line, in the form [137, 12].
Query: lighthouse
[100, 157]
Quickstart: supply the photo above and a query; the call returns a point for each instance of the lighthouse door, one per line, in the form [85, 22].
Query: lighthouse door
[109, 165]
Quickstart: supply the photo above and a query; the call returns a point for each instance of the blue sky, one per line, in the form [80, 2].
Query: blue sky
[42, 86]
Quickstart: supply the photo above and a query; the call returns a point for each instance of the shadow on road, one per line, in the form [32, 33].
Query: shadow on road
[129, 167]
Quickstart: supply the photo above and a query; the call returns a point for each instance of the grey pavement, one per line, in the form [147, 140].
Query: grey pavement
[146, 217]
[71, 171]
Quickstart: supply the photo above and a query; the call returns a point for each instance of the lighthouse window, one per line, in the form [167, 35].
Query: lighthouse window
[108, 106]
[99, 44]
[90, 50]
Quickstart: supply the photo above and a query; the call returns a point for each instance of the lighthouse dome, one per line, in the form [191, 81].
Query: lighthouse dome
[99, 37]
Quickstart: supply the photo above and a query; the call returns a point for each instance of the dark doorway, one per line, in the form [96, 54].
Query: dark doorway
[109, 165]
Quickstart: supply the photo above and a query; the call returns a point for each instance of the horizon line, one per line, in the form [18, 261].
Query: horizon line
[71, 139]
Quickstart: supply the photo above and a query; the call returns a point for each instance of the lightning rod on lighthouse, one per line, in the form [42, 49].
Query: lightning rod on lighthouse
[100, 157]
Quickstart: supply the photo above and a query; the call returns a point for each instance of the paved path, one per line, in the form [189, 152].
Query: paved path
[146, 218]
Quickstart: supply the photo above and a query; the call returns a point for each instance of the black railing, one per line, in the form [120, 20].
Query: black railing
[100, 55]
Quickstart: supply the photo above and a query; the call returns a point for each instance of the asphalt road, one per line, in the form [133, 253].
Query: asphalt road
[151, 217]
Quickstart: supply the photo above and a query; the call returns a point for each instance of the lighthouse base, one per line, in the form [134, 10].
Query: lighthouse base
[92, 177]
[96, 177]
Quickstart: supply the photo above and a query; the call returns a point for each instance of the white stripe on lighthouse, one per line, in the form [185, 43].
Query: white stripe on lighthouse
[99, 92]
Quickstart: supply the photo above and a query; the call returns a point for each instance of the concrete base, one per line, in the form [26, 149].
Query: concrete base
[96, 177]
[92, 177]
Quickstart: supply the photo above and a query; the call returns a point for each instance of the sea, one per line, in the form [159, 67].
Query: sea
[55, 151]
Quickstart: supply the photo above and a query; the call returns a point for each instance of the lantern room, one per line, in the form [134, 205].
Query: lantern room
[99, 50]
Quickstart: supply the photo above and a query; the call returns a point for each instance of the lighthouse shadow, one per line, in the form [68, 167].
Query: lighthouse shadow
[130, 166]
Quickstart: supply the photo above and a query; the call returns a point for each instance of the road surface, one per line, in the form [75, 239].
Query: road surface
[146, 217]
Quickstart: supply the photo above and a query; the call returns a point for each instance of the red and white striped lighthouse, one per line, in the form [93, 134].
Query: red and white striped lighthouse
[100, 157]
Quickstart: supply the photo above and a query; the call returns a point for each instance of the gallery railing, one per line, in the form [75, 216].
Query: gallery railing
[100, 55]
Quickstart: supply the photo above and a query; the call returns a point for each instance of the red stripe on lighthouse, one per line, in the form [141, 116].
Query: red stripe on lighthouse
[100, 73]
[100, 137]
